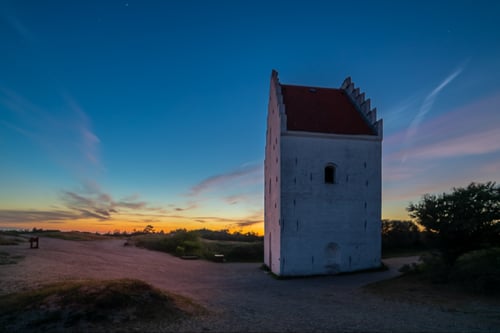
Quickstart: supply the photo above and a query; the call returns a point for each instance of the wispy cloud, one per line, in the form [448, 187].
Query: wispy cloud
[99, 205]
[254, 218]
[394, 172]
[88, 141]
[455, 148]
[469, 130]
[491, 168]
[428, 103]
[468, 144]
[247, 223]
[397, 114]
[65, 134]
[235, 191]
[63, 131]
[418, 188]
[242, 175]
[190, 206]
[235, 199]
[102, 210]
[35, 216]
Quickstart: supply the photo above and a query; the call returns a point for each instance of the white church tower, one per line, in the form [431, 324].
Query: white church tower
[322, 180]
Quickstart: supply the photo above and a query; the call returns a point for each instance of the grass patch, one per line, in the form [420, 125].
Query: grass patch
[14, 237]
[478, 271]
[73, 235]
[91, 304]
[189, 244]
[7, 259]
[413, 288]
[10, 232]
[10, 240]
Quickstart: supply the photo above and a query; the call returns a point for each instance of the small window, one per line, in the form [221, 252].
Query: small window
[330, 174]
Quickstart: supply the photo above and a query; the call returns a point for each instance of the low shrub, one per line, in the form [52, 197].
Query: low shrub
[434, 267]
[7, 240]
[247, 252]
[7, 259]
[478, 271]
[234, 251]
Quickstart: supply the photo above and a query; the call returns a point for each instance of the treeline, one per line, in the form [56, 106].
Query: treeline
[225, 235]
[219, 235]
[404, 235]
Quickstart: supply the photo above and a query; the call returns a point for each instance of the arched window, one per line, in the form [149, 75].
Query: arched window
[330, 174]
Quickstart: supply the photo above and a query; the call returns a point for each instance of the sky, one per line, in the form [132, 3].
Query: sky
[119, 114]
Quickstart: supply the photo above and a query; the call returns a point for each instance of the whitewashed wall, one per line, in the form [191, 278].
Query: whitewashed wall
[330, 228]
[272, 187]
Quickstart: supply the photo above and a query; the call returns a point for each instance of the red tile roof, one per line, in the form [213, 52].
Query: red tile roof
[323, 110]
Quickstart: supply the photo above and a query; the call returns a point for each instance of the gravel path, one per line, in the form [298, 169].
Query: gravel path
[242, 297]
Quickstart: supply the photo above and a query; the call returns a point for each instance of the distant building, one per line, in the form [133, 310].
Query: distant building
[322, 180]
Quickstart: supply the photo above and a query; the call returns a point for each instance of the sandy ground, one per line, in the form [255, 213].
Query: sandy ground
[240, 296]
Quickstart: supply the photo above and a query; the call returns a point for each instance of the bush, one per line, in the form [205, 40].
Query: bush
[247, 252]
[434, 267]
[179, 242]
[478, 271]
[180, 251]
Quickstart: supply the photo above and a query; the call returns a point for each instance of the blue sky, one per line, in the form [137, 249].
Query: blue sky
[119, 114]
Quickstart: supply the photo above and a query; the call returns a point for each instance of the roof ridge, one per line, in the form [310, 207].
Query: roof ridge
[314, 87]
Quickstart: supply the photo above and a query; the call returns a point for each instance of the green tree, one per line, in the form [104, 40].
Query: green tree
[149, 229]
[464, 220]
